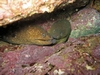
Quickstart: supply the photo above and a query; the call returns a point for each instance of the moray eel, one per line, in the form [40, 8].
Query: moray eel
[31, 34]
[60, 30]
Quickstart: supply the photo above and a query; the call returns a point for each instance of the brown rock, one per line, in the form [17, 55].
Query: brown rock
[12, 10]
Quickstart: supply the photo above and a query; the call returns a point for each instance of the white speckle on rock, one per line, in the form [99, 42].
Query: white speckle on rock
[71, 1]
[27, 56]
[27, 5]
[89, 67]
[39, 67]
[58, 72]
[44, 9]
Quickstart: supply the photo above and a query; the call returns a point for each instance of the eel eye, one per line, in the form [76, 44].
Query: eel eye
[61, 34]
[44, 35]
[53, 30]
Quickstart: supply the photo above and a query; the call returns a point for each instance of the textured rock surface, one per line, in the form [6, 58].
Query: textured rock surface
[78, 56]
[12, 10]
[85, 22]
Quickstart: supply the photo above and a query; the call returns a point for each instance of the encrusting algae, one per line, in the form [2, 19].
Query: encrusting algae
[31, 34]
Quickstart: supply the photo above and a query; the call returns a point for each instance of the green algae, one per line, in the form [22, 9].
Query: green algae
[83, 31]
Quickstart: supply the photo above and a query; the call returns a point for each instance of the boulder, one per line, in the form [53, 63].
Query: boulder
[12, 10]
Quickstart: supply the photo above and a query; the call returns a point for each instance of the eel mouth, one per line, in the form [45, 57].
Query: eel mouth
[46, 42]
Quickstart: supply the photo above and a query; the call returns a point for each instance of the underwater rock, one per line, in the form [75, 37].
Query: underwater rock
[76, 57]
[60, 30]
[85, 22]
[96, 52]
[12, 10]
[31, 34]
